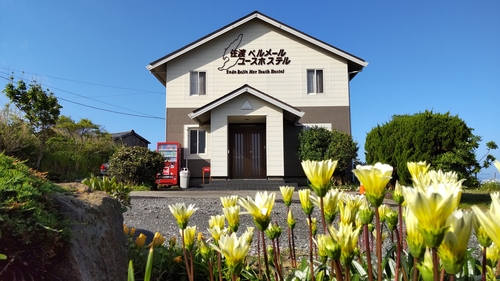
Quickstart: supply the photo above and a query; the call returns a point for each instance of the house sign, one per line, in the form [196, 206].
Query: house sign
[258, 58]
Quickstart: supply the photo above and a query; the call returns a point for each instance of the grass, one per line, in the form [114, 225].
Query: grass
[477, 197]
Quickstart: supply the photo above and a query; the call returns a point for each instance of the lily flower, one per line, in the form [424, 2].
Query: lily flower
[232, 215]
[453, 249]
[493, 253]
[305, 201]
[234, 250]
[350, 209]
[432, 207]
[181, 213]
[365, 213]
[218, 220]
[374, 178]
[489, 219]
[260, 209]
[330, 203]
[248, 235]
[320, 242]
[443, 177]
[229, 201]
[319, 174]
[189, 236]
[287, 193]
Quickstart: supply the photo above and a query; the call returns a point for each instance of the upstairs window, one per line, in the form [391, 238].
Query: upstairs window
[197, 141]
[314, 81]
[198, 83]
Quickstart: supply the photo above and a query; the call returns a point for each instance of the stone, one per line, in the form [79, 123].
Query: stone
[97, 248]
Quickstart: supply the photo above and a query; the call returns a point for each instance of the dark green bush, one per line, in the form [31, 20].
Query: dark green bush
[135, 165]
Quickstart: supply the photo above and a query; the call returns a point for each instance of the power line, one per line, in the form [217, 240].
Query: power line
[98, 108]
[84, 82]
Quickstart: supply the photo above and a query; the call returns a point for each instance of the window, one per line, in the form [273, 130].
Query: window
[314, 81]
[198, 83]
[197, 141]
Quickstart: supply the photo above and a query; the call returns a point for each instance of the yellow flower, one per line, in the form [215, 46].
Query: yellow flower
[417, 170]
[229, 201]
[273, 231]
[178, 259]
[217, 232]
[287, 193]
[383, 210]
[347, 237]
[189, 236]
[365, 213]
[493, 253]
[140, 240]
[374, 178]
[158, 240]
[314, 225]
[482, 237]
[490, 219]
[349, 210]
[432, 207]
[232, 215]
[290, 220]
[453, 249]
[442, 177]
[132, 231]
[260, 209]
[330, 203]
[426, 266]
[234, 250]
[319, 174]
[397, 195]
[125, 229]
[218, 220]
[205, 250]
[248, 235]
[181, 213]
[497, 164]
[320, 242]
[414, 238]
[305, 201]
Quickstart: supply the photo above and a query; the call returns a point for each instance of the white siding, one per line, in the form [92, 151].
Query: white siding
[289, 87]
[274, 133]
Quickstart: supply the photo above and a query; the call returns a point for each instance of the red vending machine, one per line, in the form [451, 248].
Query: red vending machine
[171, 152]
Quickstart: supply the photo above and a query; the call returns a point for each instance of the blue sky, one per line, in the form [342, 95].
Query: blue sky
[423, 55]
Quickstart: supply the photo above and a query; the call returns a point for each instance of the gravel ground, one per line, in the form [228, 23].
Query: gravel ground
[151, 214]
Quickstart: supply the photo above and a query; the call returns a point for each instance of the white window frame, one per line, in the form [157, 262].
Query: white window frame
[197, 86]
[187, 142]
[315, 86]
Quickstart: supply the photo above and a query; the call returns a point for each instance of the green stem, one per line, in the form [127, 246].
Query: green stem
[483, 274]
[322, 211]
[289, 238]
[186, 261]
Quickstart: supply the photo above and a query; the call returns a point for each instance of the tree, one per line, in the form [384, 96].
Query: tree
[317, 143]
[444, 141]
[40, 108]
[16, 138]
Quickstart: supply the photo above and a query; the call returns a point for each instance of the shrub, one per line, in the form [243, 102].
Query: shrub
[135, 165]
[32, 230]
[119, 191]
[490, 185]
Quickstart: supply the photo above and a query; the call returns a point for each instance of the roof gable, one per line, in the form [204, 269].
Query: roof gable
[355, 64]
[292, 111]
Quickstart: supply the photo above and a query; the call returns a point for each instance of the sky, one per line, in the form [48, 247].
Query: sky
[438, 55]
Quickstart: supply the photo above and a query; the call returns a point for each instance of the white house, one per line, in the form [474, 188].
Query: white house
[237, 98]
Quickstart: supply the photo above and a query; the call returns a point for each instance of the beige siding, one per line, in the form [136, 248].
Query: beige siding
[274, 133]
[289, 87]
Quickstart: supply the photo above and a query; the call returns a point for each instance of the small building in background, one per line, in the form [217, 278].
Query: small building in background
[130, 138]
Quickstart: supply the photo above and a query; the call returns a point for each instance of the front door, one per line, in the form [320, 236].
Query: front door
[247, 151]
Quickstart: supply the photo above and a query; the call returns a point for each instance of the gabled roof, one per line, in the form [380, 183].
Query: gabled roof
[121, 135]
[355, 64]
[200, 114]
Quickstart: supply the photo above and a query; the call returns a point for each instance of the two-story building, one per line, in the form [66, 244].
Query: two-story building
[237, 98]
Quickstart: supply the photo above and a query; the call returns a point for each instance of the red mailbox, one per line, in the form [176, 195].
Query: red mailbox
[205, 170]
